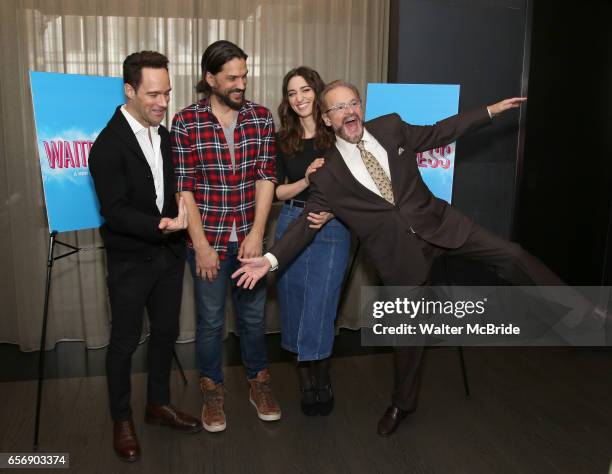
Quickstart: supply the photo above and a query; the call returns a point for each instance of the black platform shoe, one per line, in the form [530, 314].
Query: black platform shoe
[325, 399]
[309, 404]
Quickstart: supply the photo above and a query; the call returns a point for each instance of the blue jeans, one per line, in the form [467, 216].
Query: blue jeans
[309, 289]
[210, 305]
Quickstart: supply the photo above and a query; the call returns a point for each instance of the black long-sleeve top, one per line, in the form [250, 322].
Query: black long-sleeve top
[293, 167]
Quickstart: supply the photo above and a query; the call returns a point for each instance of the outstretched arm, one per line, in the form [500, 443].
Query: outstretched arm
[422, 138]
[504, 105]
[301, 231]
[297, 237]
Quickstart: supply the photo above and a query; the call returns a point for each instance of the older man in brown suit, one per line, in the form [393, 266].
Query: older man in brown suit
[371, 182]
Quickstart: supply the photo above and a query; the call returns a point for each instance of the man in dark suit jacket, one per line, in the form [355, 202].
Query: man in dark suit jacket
[371, 182]
[131, 166]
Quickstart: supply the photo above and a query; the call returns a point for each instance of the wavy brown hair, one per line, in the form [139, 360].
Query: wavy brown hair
[291, 131]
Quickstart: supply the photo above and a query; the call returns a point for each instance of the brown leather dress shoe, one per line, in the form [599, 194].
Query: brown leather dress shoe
[167, 415]
[125, 441]
[391, 420]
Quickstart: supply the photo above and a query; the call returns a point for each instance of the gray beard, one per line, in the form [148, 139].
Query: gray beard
[346, 138]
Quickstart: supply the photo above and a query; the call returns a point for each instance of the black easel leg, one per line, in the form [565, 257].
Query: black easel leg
[180, 367]
[43, 337]
[466, 383]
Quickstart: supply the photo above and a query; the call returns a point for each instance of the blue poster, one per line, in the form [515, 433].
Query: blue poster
[421, 104]
[69, 111]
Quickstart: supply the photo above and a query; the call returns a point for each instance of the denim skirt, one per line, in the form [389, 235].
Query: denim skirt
[309, 288]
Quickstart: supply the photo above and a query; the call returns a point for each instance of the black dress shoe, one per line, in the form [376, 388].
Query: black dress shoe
[391, 420]
[167, 415]
[125, 441]
[308, 403]
[325, 399]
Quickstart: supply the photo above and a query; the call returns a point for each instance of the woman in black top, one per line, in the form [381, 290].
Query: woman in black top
[309, 289]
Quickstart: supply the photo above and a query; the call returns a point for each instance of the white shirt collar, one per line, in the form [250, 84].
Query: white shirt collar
[346, 147]
[367, 137]
[135, 125]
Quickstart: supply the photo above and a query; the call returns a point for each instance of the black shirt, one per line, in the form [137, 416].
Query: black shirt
[294, 167]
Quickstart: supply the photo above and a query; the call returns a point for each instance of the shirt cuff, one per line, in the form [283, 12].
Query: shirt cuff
[273, 261]
[490, 114]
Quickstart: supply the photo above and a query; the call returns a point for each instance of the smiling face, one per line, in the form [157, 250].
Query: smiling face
[347, 123]
[301, 96]
[149, 102]
[229, 84]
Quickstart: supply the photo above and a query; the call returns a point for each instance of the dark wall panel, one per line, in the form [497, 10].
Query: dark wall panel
[543, 177]
[564, 210]
[479, 45]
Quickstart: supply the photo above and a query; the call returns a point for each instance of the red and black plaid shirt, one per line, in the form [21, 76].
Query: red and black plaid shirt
[203, 165]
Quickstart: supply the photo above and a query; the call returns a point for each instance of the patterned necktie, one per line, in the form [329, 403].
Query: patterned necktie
[380, 178]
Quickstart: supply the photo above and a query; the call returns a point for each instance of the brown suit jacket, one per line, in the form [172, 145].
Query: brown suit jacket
[392, 235]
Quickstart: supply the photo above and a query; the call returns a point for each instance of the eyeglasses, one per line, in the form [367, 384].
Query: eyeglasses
[344, 106]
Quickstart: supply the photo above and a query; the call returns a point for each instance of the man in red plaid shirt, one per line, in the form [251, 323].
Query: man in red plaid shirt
[224, 158]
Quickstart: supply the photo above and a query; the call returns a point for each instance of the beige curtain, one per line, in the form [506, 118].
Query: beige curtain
[340, 38]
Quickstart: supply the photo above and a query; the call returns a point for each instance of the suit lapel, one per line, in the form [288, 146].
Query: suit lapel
[166, 152]
[340, 170]
[121, 127]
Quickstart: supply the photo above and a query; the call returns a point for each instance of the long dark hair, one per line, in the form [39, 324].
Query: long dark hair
[213, 60]
[291, 131]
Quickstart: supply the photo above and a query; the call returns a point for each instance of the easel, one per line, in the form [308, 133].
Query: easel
[51, 258]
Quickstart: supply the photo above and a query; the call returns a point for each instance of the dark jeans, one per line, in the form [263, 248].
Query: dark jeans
[210, 304]
[155, 284]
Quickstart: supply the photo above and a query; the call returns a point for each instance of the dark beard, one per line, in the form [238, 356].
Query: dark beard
[229, 102]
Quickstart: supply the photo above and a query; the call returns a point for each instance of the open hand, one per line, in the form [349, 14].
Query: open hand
[251, 271]
[312, 167]
[505, 104]
[167, 225]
